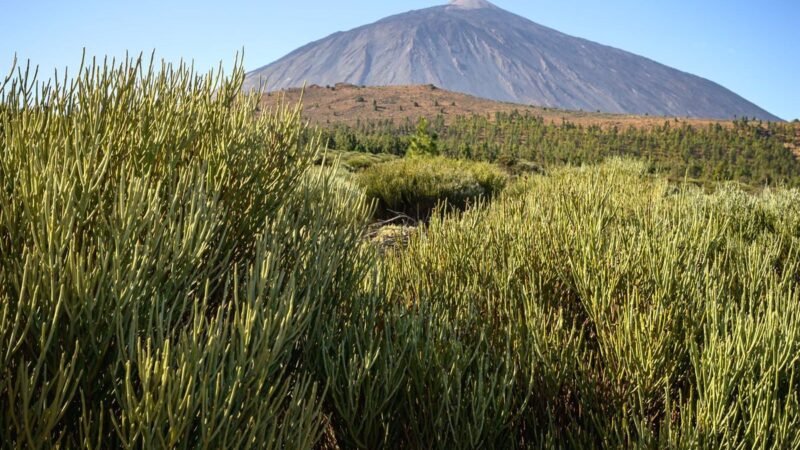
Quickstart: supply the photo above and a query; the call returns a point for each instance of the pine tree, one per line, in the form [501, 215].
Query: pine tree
[423, 142]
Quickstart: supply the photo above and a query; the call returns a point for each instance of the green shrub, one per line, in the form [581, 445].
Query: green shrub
[166, 260]
[353, 161]
[414, 186]
[597, 307]
[175, 273]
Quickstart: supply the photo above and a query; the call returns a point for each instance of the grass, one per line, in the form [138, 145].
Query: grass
[176, 273]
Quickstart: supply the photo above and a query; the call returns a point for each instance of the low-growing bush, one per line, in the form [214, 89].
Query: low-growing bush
[353, 161]
[414, 186]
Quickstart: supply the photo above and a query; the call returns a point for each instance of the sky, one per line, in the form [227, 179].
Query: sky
[752, 48]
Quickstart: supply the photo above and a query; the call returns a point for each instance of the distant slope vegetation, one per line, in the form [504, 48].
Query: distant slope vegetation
[750, 152]
[383, 119]
[344, 103]
[474, 47]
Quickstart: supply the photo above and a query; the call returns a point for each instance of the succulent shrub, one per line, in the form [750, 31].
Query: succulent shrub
[415, 186]
[165, 256]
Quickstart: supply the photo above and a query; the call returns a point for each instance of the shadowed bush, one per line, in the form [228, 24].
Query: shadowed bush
[353, 161]
[414, 186]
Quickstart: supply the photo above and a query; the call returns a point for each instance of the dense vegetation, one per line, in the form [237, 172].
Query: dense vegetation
[751, 152]
[166, 257]
[176, 272]
[598, 307]
[414, 186]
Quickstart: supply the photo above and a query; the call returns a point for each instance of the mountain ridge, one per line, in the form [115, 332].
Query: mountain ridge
[477, 48]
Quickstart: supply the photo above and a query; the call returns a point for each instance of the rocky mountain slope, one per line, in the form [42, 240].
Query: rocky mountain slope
[474, 47]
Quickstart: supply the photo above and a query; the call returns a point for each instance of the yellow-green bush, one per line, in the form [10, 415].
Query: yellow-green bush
[354, 161]
[414, 186]
[164, 261]
[174, 273]
[595, 307]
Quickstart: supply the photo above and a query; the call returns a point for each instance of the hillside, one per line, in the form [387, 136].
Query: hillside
[795, 146]
[348, 104]
[381, 120]
[474, 47]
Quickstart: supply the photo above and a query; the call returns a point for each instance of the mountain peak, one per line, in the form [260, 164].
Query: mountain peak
[474, 47]
[471, 4]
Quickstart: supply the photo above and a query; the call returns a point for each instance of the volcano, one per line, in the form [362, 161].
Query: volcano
[477, 48]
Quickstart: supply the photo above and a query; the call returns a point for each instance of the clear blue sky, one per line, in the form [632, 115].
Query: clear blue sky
[750, 47]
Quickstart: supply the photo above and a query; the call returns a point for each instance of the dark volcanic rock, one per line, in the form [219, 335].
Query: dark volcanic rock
[474, 47]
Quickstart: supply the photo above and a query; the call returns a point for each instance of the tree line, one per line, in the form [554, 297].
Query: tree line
[749, 151]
